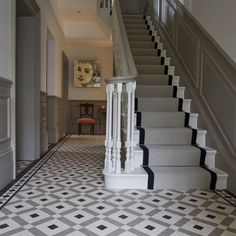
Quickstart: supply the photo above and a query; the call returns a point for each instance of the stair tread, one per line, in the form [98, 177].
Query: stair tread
[183, 170]
[158, 98]
[164, 112]
[147, 57]
[150, 65]
[171, 147]
[152, 76]
[152, 127]
[153, 86]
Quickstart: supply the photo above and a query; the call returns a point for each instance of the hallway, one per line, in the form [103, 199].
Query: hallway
[63, 194]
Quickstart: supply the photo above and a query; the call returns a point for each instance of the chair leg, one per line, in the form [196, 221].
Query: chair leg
[93, 128]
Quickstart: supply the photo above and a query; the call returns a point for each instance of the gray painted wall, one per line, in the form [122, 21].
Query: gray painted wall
[6, 153]
[28, 88]
[209, 75]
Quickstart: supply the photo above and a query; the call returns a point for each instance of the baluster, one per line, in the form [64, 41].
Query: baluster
[118, 131]
[129, 164]
[114, 125]
[132, 124]
[108, 142]
[128, 129]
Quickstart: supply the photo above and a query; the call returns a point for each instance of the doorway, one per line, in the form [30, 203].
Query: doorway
[27, 83]
[65, 88]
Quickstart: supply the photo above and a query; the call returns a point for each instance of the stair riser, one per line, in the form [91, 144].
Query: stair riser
[163, 105]
[154, 160]
[134, 32]
[144, 52]
[181, 181]
[156, 105]
[142, 69]
[165, 157]
[166, 119]
[139, 38]
[170, 137]
[165, 137]
[149, 45]
[141, 27]
[163, 119]
[155, 80]
[161, 158]
[155, 91]
[155, 69]
[148, 60]
[135, 22]
[133, 17]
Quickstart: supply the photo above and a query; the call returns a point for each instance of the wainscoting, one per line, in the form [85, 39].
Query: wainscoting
[6, 153]
[43, 123]
[54, 119]
[73, 115]
[209, 75]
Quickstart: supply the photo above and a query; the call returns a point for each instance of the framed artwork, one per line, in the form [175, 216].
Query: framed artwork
[87, 73]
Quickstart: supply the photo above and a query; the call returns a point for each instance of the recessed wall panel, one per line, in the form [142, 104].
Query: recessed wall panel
[188, 47]
[168, 19]
[218, 95]
[3, 118]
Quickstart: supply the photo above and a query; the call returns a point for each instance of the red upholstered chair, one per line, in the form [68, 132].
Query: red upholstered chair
[86, 117]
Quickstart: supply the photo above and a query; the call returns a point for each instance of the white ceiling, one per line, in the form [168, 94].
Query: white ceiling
[80, 20]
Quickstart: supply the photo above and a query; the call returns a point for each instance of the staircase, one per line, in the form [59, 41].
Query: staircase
[169, 145]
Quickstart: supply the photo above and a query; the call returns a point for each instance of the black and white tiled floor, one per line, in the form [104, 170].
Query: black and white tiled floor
[63, 194]
[22, 165]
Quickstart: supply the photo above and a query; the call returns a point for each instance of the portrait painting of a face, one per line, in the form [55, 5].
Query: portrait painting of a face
[87, 73]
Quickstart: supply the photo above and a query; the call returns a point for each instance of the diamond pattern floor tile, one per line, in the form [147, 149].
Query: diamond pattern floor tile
[64, 194]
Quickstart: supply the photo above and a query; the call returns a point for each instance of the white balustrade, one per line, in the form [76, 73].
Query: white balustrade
[120, 102]
[116, 90]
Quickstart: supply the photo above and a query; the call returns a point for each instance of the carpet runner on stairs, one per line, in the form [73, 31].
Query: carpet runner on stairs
[170, 147]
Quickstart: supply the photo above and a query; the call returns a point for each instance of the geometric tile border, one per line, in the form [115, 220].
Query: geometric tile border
[6, 196]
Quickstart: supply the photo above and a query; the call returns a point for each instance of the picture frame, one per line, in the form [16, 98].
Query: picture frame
[87, 73]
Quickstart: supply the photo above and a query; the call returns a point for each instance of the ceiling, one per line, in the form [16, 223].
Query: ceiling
[81, 20]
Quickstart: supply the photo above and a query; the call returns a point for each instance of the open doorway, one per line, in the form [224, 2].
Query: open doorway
[27, 83]
[65, 88]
